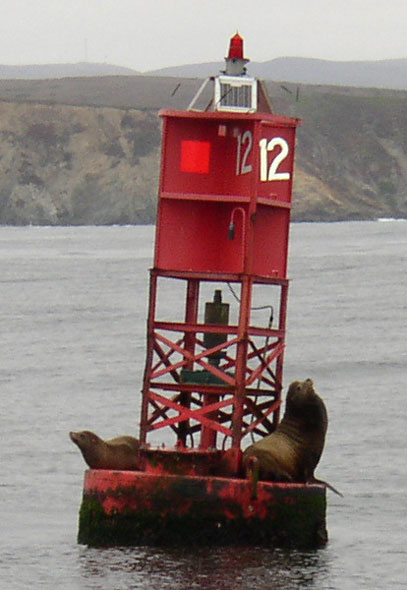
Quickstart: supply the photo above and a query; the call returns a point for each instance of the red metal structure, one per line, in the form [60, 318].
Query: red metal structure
[224, 212]
[223, 221]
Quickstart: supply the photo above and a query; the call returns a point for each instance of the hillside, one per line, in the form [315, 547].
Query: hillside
[71, 70]
[389, 73]
[86, 150]
[71, 165]
[351, 158]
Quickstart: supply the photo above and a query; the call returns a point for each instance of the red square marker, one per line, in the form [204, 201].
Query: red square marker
[195, 156]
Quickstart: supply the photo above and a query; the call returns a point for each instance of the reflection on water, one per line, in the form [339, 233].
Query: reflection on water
[234, 568]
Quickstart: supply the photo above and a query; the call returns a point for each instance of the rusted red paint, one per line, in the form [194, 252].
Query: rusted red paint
[121, 491]
[181, 461]
[133, 508]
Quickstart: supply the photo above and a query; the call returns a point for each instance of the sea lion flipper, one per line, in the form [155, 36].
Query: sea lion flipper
[326, 484]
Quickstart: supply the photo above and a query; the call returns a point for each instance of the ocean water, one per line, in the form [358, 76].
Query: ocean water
[73, 316]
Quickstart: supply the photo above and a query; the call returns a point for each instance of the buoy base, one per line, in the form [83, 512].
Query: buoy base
[138, 508]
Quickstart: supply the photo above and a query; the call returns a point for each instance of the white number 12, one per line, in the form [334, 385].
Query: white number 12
[270, 172]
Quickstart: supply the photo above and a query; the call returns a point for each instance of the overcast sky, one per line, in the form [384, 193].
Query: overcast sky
[150, 34]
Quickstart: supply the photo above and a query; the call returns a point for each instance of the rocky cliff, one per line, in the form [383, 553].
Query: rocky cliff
[73, 165]
[64, 164]
[351, 157]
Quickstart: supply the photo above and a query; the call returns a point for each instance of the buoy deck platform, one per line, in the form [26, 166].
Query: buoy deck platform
[153, 507]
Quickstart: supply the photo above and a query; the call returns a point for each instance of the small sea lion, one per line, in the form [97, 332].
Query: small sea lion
[292, 452]
[119, 453]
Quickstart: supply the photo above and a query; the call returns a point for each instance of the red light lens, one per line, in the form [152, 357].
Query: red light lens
[236, 47]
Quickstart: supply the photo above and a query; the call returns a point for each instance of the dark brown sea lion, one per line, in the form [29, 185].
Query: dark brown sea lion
[291, 453]
[117, 453]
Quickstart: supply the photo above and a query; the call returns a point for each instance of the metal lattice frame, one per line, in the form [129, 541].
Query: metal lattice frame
[244, 394]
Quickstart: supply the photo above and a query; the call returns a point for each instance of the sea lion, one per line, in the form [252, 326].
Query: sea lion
[119, 453]
[291, 453]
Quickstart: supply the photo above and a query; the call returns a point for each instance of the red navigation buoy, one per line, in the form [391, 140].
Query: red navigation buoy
[213, 373]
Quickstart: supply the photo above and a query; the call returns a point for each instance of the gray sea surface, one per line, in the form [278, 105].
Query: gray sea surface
[73, 307]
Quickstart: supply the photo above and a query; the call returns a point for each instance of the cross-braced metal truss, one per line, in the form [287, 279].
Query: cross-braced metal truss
[185, 389]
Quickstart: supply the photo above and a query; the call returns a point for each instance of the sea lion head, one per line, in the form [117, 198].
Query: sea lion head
[304, 404]
[84, 438]
[90, 445]
[117, 453]
[298, 392]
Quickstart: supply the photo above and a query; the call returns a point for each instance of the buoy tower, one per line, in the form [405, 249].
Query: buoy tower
[214, 372]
